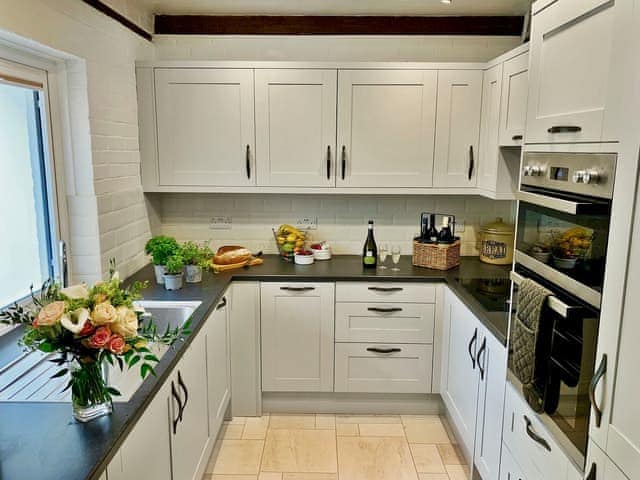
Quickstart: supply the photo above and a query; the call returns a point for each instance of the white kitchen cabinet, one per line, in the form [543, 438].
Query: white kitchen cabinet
[492, 365]
[148, 439]
[296, 127]
[459, 388]
[244, 333]
[457, 128]
[386, 123]
[509, 468]
[488, 156]
[571, 50]
[205, 127]
[297, 337]
[218, 366]
[189, 413]
[513, 103]
[600, 467]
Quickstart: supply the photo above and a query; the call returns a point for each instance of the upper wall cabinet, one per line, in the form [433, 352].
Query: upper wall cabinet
[571, 47]
[457, 128]
[205, 125]
[488, 154]
[386, 121]
[296, 127]
[513, 105]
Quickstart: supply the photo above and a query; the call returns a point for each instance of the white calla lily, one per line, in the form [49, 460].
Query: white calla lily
[75, 321]
[76, 292]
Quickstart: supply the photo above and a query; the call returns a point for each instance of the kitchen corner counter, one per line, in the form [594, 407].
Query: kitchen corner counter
[41, 440]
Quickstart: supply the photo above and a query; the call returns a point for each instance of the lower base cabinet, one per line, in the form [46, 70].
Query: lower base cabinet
[218, 365]
[509, 468]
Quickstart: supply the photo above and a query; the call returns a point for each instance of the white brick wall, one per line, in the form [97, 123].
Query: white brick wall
[341, 219]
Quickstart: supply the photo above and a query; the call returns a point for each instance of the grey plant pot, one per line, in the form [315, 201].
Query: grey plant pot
[193, 274]
[160, 270]
[173, 282]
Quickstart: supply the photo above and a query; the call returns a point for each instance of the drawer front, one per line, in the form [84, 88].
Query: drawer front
[509, 468]
[385, 322]
[385, 292]
[536, 461]
[364, 367]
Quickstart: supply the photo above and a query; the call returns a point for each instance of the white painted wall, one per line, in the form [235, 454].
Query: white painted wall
[341, 219]
[333, 47]
[106, 206]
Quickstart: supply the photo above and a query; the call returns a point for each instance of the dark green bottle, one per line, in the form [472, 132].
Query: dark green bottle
[370, 251]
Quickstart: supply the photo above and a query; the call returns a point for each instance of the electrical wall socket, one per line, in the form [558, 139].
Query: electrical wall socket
[220, 223]
[307, 223]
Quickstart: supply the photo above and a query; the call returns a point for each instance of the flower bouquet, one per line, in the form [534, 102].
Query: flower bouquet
[88, 328]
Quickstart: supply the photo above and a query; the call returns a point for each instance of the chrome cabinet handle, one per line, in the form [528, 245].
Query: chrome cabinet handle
[534, 436]
[481, 350]
[328, 162]
[386, 289]
[564, 129]
[592, 475]
[298, 289]
[473, 340]
[471, 162]
[516, 137]
[344, 161]
[222, 304]
[384, 310]
[248, 162]
[186, 393]
[597, 376]
[176, 420]
[383, 350]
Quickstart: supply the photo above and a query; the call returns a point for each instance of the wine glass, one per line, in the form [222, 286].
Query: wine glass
[383, 250]
[395, 257]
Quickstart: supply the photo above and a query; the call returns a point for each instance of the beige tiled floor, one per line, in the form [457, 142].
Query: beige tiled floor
[336, 447]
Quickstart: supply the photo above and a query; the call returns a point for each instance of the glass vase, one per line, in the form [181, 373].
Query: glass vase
[89, 394]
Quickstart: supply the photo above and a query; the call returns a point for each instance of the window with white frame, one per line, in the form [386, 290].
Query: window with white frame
[28, 214]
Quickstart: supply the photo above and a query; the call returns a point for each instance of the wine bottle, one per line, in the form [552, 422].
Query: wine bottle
[445, 235]
[432, 233]
[370, 251]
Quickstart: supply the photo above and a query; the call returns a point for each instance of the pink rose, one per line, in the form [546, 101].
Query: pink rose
[117, 344]
[86, 330]
[50, 314]
[100, 337]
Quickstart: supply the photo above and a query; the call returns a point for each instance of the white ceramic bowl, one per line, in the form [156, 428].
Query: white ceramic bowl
[322, 254]
[541, 256]
[303, 259]
[564, 263]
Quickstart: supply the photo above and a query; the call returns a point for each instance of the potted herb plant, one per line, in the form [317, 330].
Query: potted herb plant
[174, 270]
[196, 257]
[161, 248]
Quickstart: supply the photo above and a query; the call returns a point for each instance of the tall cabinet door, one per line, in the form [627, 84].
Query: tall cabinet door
[386, 122]
[513, 108]
[218, 371]
[459, 387]
[296, 127]
[297, 337]
[205, 124]
[488, 155]
[571, 47]
[457, 128]
[492, 364]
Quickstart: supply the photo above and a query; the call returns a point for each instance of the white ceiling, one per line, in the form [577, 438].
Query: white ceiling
[337, 7]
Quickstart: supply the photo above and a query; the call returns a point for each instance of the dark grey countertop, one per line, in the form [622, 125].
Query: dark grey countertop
[41, 440]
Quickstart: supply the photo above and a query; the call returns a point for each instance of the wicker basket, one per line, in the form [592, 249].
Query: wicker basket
[439, 256]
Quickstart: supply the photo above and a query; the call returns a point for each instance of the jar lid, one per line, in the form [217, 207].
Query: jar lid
[498, 226]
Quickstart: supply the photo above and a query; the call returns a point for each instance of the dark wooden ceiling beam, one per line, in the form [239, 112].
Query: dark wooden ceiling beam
[118, 17]
[334, 25]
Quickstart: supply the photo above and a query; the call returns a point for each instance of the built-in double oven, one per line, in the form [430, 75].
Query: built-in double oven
[564, 213]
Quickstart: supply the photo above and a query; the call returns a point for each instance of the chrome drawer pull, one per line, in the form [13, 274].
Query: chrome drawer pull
[298, 289]
[534, 436]
[384, 310]
[564, 129]
[383, 350]
[386, 289]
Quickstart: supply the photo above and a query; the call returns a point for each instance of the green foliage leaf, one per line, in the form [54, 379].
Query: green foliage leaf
[146, 369]
[60, 373]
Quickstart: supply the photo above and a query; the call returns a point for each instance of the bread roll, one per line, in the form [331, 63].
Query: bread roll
[231, 254]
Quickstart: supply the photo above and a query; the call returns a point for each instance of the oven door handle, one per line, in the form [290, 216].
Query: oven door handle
[562, 205]
[553, 302]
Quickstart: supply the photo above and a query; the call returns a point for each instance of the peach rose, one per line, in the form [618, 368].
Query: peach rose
[103, 313]
[50, 314]
[100, 337]
[126, 322]
[117, 344]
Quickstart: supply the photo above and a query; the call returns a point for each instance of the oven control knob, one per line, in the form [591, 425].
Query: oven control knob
[591, 177]
[527, 170]
[535, 171]
[578, 176]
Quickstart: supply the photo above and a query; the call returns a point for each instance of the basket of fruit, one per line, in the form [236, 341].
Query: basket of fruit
[289, 240]
[571, 246]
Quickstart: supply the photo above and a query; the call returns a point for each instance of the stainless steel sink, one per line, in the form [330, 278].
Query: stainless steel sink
[28, 378]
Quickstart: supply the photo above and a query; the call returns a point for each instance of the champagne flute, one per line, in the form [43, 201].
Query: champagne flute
[383, 250]
[395, 257]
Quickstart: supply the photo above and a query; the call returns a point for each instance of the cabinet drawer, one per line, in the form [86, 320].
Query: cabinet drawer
[536, 460]
[364, 367]
[385, 322]
[385, 292]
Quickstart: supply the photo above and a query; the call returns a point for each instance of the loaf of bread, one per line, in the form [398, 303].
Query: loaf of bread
[229, 255]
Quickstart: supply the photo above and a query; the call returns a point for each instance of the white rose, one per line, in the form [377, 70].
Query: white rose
[76, 292]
